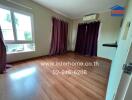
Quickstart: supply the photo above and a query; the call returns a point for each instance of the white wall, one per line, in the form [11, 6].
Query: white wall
[129, 92]
[42, 27]
[109, 33]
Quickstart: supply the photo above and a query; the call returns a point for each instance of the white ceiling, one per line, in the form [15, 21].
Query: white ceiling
[78, 8]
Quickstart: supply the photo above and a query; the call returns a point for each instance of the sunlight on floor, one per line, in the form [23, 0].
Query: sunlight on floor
[23, 73]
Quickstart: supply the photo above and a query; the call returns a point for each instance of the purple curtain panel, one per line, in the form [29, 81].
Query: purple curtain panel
[2, 54]
[87, 38]
[59, 37]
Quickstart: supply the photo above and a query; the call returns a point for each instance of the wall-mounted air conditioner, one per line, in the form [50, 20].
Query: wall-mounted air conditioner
[91, 17]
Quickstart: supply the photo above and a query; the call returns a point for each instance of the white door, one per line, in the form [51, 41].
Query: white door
[125, 87]
[119, 60]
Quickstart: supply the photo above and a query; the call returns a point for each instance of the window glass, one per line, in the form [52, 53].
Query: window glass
[23, 27]
[6, 24]
[15, 48]
[17, 30]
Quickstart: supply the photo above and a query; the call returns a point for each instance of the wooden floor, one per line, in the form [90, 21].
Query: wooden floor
[33, 80]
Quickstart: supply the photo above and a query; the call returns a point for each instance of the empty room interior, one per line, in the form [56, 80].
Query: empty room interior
[65, 49]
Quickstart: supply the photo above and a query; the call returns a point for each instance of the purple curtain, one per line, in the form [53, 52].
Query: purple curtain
[2, 54]
[87, 38]
[59, 37]
[80, 38]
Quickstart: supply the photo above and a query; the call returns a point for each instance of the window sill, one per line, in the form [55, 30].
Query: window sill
[19, 52]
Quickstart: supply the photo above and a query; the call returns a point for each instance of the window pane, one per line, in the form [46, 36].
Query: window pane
[23, 27]
[6, 24]
[16, 48]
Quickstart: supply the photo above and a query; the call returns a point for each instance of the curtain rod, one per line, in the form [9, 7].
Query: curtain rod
[89, 21]
[59, 18]
[18, 4]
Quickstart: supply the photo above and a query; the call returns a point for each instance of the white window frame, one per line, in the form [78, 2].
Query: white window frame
[15, 41]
